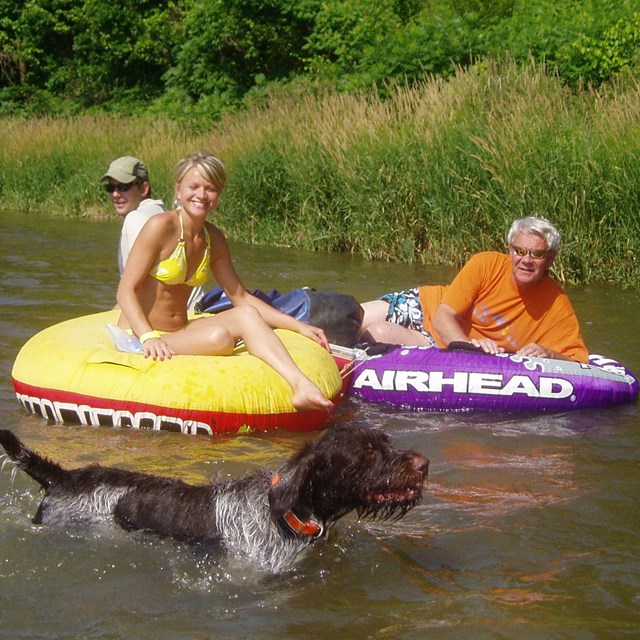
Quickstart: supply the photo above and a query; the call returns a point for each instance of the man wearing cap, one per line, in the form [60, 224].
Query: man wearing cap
[127, 183]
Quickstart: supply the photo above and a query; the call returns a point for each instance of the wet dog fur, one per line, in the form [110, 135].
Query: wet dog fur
[263, 516]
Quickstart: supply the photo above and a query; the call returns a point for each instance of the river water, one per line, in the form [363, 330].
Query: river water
[528, 528]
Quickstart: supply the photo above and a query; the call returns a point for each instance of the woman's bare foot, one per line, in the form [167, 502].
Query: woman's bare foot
[307, 397]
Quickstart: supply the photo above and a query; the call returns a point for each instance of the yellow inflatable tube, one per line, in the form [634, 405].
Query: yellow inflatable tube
[72, 373]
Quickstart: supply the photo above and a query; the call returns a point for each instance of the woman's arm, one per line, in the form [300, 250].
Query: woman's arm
[226, 276]
[144, 254]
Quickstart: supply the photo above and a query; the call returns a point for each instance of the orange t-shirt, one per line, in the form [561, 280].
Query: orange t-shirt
[490, 305]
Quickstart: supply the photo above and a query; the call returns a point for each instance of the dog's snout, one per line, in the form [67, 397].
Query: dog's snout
[420, 463]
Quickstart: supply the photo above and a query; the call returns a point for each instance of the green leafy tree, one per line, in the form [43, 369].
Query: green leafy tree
[37, 38]
[344, 29]
[123, 58]
[87, 51]
[595, 58]
[11, 65]
[434, 43]
[584, 42]
[233, 44]
[362, 42]
[190, 57]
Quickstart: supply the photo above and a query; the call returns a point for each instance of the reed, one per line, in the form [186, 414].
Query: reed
[438, 171]
[53, 164]
[433, 172]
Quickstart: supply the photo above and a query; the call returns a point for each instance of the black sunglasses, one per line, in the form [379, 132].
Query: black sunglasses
[122, 188]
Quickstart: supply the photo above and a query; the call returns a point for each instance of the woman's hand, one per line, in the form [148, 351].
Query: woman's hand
[315, 333]
[158, 349]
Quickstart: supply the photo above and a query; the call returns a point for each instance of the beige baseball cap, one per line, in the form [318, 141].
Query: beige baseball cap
[126, 169]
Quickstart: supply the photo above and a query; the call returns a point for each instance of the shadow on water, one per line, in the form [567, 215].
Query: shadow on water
[527, 529]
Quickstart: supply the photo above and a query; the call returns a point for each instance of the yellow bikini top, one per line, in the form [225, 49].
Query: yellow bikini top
[173, 270]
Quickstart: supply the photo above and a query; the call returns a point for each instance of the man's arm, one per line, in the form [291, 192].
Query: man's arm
[447, 323]
[540, 351]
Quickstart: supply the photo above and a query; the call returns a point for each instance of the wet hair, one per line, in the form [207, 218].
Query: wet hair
[209, 167]
[532, 225]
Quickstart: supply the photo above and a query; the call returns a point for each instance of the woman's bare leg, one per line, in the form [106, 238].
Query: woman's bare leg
[217, 335]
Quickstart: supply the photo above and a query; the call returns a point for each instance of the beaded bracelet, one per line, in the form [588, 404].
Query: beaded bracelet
[149, 336]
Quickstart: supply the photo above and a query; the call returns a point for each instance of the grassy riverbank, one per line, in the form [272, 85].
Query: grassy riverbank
[434, 173]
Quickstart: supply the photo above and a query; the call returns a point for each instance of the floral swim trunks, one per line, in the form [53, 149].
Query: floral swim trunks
[405, 310]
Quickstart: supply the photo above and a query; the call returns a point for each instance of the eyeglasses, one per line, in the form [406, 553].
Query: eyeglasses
[122, 188]
[536, 254]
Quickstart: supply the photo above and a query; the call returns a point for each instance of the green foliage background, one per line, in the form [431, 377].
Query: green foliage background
[396, 129]
[186, 58]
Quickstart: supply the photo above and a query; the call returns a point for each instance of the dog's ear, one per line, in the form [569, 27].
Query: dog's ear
[288, 482]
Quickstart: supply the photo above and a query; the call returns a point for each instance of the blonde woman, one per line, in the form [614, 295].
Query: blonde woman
[173, 253]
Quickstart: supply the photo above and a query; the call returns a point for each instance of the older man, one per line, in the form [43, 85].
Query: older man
[497, 302]
[127, 183]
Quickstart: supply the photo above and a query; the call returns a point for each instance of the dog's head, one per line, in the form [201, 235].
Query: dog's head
[349, 469]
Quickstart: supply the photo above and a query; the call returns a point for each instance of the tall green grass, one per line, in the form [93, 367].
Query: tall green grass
[53, 165]
[435, 172]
